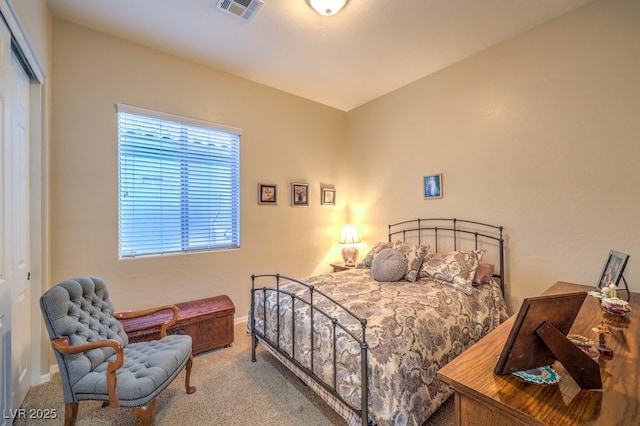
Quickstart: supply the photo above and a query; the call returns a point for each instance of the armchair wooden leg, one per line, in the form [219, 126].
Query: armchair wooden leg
[190, 389]
[70, 413]
[144, 415]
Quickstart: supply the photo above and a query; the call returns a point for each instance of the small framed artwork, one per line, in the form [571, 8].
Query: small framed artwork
[328, 196]
[432, 186]
[613, 269]
[299, 194]
[267, 194]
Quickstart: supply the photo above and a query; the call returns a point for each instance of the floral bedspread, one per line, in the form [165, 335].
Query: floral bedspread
[413, 329]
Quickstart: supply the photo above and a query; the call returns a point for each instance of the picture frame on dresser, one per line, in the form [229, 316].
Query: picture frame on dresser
[539, 337]
[613, 268]
[612, 271]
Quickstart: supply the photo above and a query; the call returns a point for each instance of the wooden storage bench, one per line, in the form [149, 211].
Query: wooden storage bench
[208, 321]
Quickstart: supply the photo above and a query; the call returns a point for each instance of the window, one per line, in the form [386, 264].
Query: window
[179, 184]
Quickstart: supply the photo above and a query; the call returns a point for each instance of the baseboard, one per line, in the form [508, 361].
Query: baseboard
[53, 369]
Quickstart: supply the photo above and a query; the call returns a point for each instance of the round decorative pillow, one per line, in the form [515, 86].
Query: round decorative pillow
[389, 265]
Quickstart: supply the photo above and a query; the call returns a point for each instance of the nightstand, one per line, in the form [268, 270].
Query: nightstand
[337, 267]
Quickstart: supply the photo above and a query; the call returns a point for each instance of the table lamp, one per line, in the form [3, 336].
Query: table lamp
[349, 238]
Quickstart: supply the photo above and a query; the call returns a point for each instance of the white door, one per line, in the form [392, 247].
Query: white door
[14, 231]
[6, 277]
[21, 295]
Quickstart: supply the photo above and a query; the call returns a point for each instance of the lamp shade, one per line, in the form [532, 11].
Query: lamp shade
[327, 7]
[349, 235]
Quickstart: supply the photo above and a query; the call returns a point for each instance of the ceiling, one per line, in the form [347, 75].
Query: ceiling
[370, 48]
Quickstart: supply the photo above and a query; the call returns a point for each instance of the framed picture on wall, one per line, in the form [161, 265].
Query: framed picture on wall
[267, 194]
[432, 186]
[299, 194]
[328, 196]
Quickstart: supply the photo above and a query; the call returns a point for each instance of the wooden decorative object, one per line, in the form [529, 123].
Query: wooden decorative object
[584, 370]
[524, 349]
[208, 321]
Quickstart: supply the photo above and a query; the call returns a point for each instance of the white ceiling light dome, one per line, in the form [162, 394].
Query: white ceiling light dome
[327, 7]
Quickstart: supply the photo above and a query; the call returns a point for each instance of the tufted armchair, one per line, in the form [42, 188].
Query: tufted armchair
[94, 355]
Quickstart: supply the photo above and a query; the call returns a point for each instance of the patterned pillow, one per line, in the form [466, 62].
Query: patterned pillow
[389, 265]
[377, 248]
[415, 254]
[456, 268]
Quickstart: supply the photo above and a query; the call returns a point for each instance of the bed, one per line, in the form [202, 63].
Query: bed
[368, 341]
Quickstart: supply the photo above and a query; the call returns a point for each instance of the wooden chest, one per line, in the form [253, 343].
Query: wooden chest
[208, 321]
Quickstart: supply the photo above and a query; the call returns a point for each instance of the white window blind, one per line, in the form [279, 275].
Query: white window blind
[179, 184]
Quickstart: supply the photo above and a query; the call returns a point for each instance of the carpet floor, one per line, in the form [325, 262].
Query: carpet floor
[231, 390]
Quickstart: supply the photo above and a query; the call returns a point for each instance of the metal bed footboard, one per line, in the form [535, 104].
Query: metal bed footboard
[314, 310]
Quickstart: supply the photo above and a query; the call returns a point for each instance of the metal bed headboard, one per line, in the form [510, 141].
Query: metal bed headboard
[454, 234]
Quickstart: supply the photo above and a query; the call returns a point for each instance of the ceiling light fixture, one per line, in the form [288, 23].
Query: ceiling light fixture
[327, 7]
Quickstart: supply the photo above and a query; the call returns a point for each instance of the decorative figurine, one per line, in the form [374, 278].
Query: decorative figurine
[602, 330]
[614, 290]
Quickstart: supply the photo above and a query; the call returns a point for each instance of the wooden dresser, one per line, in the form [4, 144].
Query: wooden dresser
[208, 321]
[483, 398]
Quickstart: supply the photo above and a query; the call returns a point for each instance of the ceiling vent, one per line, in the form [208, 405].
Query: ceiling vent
[244, 9]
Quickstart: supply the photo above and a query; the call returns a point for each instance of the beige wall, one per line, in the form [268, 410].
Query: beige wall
[539, 134]
[285, 139]
[35, 19]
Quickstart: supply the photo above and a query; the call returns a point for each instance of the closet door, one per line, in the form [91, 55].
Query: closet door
[18, 108]
[15, 315]
[6, 277]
